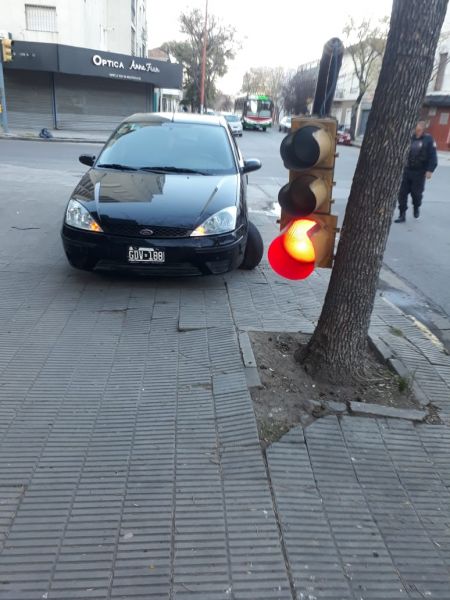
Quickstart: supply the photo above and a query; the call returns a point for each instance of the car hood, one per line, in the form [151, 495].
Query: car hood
[146, 199]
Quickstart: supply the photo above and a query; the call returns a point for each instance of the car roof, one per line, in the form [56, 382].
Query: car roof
[176, 117]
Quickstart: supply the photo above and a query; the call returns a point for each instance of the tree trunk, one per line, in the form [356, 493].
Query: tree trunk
[337, 348]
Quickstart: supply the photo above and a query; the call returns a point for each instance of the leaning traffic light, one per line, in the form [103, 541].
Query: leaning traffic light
[308, 230]
[7, 45]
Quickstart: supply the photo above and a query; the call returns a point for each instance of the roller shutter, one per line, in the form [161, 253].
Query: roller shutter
[90, 103]
[28, 99]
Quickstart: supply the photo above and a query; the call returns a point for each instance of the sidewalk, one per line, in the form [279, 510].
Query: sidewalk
[64, 135]
[130, 466]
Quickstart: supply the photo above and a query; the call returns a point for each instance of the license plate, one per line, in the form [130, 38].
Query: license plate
[145, 255]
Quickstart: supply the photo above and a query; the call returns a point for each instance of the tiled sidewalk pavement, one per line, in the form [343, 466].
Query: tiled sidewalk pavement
[365, 508]
[129, 458]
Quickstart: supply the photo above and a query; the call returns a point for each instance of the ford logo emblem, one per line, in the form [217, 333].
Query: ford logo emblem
[146, 232]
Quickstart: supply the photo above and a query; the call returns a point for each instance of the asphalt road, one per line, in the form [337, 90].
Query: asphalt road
[418, 252]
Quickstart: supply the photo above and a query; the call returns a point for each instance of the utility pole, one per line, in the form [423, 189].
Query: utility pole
[202, 84]
[6, 56]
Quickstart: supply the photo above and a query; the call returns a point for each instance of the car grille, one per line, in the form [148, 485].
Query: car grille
[128, 229]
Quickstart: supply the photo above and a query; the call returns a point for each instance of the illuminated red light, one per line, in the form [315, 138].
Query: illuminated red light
[292, 254]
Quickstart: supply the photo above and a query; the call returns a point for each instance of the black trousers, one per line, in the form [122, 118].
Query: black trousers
[413, 183]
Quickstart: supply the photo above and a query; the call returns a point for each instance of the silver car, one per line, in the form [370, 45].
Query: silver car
[235, 124]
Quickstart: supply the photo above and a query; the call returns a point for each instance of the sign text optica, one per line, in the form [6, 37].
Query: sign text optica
[118, 64]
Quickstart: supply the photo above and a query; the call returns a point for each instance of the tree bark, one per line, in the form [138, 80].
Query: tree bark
[337, 348]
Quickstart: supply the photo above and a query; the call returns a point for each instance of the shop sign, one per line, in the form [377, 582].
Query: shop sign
[99, 61]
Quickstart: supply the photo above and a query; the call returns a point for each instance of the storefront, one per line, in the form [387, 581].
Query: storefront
[64, 87]
[436, 114]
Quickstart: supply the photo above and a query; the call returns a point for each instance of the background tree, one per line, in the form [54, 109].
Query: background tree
[365, 45]
[298, 91]
[223, 102]
[221, 47]
[266, 80]
[338, 346]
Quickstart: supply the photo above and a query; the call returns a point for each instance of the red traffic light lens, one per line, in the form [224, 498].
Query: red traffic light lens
[292, 254]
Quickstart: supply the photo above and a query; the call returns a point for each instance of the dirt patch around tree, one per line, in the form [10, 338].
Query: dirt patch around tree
[290, 396]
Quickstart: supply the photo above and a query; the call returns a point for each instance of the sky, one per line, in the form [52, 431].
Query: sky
[283, 33]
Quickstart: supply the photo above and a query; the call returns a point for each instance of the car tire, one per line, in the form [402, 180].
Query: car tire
[84, 263]
[254, 249]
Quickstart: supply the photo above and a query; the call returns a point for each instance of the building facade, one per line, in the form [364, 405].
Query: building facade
[80, 65]
[436, 108]
[347, 90]
[109, 25]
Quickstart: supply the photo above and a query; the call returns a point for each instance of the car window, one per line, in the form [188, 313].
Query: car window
[232, 118]
[191, 146]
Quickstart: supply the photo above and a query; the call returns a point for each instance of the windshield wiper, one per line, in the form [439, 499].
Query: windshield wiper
[117, 166]
[172, 170]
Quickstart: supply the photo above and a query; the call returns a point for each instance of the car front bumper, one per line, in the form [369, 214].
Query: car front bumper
[208, 255]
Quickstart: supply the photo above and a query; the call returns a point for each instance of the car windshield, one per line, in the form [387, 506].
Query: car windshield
[170, 146]
[232, 118]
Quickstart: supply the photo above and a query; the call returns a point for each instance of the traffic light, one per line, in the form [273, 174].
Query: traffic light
[308, 230]
[7, 45]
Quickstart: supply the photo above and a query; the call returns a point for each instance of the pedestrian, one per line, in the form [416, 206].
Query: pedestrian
[422, 161]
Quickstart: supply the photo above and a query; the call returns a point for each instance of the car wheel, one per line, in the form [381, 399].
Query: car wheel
[254, 249]
[85, 263]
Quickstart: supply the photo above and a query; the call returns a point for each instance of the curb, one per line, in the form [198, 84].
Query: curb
[248, 358]
[26, 138]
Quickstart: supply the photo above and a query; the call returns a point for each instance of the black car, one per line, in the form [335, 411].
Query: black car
[166, 194]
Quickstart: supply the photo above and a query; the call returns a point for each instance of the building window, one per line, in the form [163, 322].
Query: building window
[432, 111]
[40, 18]
[443, 118]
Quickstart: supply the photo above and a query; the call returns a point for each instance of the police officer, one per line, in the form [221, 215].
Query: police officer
[422, 161]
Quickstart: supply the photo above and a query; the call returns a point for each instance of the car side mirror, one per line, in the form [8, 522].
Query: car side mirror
[87, 159]
[252, 164]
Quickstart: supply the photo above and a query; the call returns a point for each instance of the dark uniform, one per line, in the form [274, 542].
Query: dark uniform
[422, 158]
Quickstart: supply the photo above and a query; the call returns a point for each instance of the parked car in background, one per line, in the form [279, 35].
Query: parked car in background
[167, 195]
[285, 124]
[235, 124]
[343, 136]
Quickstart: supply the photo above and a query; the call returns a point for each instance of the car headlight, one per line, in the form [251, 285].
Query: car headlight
[79, 217]
[220, 222]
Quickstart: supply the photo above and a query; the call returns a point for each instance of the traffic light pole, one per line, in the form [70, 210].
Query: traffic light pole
[4, 112]
[329, 68]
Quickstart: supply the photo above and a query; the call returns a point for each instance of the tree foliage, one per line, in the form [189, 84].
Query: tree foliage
[221, 47]
[366, 42]
[298, 91]
[338, 346]
[223, 102]
[266, 80]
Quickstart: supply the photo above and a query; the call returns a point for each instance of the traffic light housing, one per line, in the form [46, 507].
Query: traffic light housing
[7, 53]
[308, 230]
